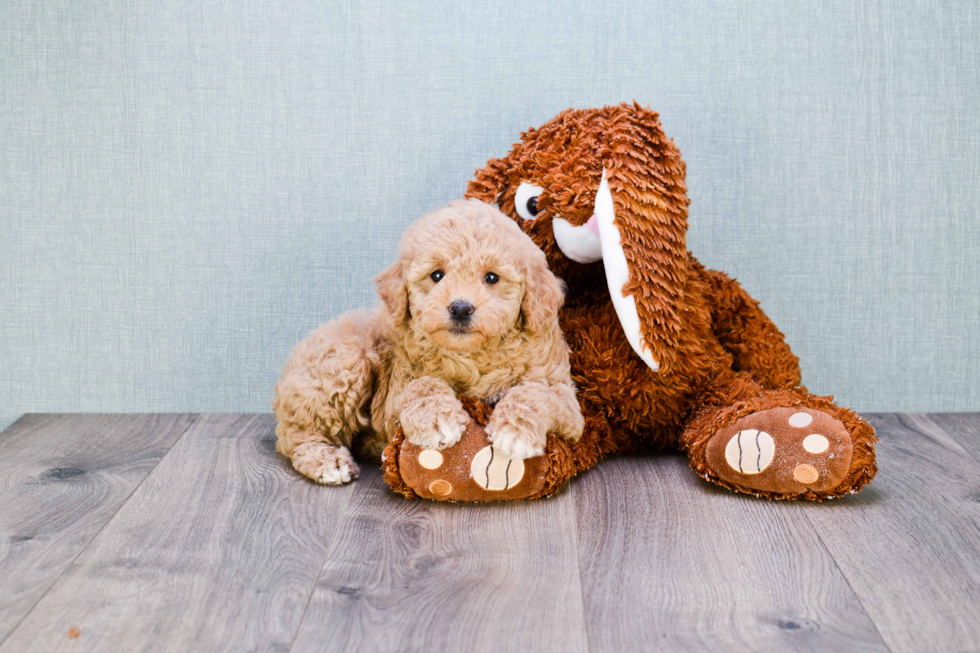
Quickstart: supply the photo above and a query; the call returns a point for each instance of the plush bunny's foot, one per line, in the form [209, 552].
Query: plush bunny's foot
[470, 470]
[473, 469]
[790, 451]
[778, 444]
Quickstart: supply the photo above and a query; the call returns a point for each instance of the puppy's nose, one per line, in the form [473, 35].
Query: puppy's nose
[461, 310]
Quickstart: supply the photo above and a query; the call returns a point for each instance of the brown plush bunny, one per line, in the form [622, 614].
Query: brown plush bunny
[665, 353]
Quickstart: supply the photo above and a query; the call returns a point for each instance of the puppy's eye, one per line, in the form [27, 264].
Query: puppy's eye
[491, 278]
[526, 200]
[437, 276]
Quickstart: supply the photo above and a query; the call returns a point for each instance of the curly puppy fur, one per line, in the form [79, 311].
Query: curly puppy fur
[354, 380]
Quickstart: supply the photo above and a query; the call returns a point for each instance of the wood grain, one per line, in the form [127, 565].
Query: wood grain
[962, 427]
[217, 550]
[61, 479]
[671, 563]
[217, 544]
[410, 575]
[909, 543]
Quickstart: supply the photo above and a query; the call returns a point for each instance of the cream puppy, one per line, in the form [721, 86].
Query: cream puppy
[469, 307]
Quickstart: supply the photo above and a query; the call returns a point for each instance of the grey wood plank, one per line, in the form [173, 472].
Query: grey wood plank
[909, 543]
[62, 477]
[421, 576]
[217, 550]
[962, 427]
[672, 563]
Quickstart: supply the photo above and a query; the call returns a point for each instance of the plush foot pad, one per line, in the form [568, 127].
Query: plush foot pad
[470, 470]
[788, 450]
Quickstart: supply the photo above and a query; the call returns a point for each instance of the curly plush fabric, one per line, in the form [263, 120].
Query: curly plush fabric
[725, 375]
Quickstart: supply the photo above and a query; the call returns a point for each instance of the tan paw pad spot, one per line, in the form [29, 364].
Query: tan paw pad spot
[440, 487]
[815, 443]
[430, 459]
[750, 451]
[806, 474]
[799, 420]
[492, 471]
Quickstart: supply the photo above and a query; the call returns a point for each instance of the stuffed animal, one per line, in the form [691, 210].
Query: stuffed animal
[664, 352]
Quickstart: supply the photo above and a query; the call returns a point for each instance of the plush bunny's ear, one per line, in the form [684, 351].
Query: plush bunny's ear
[641, 210]
[394, 293]
[544, 293]
[489, 183]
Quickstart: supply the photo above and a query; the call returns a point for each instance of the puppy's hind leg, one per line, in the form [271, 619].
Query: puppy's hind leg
[322, 393]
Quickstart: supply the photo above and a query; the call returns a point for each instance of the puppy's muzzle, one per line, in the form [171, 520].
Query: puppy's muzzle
[460, 311]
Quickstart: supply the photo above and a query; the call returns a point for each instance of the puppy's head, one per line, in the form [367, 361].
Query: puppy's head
[468, 277]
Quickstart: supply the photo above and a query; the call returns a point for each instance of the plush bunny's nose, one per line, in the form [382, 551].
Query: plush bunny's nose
[461, 310]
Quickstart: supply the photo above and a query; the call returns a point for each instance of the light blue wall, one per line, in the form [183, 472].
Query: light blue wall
[185, 191]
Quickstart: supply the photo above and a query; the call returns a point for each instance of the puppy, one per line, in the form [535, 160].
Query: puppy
[469, 307]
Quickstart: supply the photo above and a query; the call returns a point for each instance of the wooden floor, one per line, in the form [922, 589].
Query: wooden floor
[189, 533]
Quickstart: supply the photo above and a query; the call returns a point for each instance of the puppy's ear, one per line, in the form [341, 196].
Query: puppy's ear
[394, 293]
[489, 183]
[544, 294]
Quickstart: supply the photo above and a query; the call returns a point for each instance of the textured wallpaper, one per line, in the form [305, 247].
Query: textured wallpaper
[186, 188]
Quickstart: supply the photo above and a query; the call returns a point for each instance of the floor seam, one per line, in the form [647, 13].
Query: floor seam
[83, 549]
[578, 560]
[956, 441]
[326, 557]
[847, 580]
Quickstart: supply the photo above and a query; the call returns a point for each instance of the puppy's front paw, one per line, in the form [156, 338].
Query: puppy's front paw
[325, 463]
[516, 436]
[433, 422]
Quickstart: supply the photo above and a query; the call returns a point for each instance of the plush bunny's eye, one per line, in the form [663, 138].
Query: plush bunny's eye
[526, 200]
